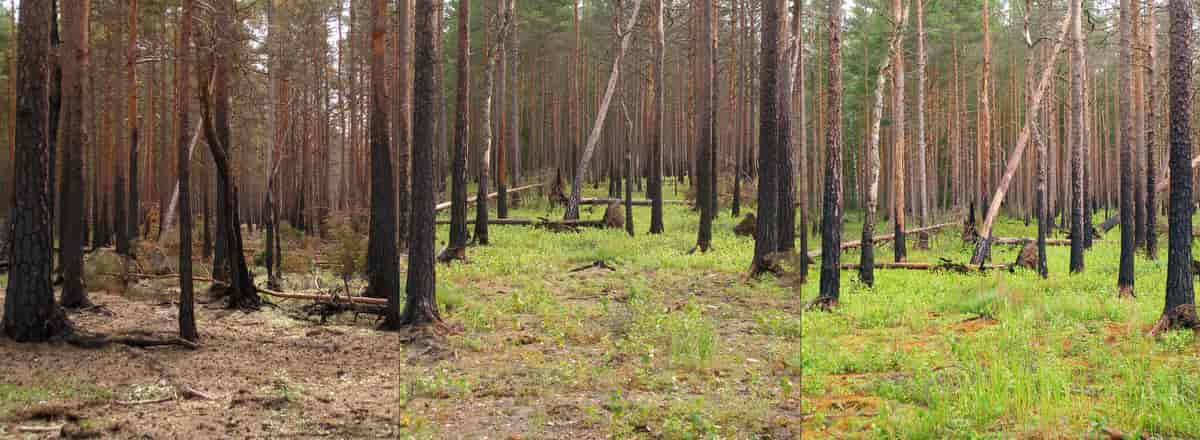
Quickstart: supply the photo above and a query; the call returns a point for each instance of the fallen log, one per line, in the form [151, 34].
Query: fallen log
[499, 221]
[882, 238]
[446, 205]
[326, 298]
[635, 202]
[927, 266]
[539, 223]
[1022, 240]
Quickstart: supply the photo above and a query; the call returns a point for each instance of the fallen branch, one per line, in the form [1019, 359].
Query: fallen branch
[446, 205]
[926, 266]
[192, 393]
[1022, 240]
[636, 202]
[326, 298]
[139, 340]
[145, 402]
[35, 429]
[882, 239]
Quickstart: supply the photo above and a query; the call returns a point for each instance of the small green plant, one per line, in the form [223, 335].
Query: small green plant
[692, 337]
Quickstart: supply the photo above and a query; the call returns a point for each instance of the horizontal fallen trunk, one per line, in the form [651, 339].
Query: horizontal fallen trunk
[1022, 240]
[446, 205]
[541, 223]
[635, 202]
[326, 298]
[928, 266]
[882, 238]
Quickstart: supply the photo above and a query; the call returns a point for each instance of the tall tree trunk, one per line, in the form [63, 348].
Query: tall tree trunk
[75, 66]
[462, 137]
[922, 183]
[187, 319]
[135, 218]
[1077, 139]
[1125, 108]
[900, 249]
[501, 123]
[402, 118]
[772, 85]
[1151, 125]
[1180, 296]
[240, 293]
[421, 288]
[384, 274]
[30, 314]
[658, 85]
[704, 123]
[831, 218]
[572, 212]
[866, 270]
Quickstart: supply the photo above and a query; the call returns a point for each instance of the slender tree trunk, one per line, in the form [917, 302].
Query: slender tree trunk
[187, 319]
[1125, 70]
[75, 66]
[1151, 124]
[704, 123]
[30, 314]
[1180, 296]
[922, 185]
[383, 260]
[462, 137]
[900, 248]
[421, 306]
[135, 217]
[1077, 140]
[572, 212]
[402, 118]
[659, 86]
[831, 220]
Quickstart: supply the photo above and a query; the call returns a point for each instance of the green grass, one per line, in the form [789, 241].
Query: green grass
[674, 345]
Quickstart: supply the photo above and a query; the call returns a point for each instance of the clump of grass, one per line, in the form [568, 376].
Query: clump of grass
[692, 338]
[779, 324]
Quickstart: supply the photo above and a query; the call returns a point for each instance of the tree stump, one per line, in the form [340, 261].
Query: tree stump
[747, 227]
[614, 216]
[1028, 257]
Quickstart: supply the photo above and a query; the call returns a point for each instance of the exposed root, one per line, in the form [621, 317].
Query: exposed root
[823, 304]
[145, 402]
[138, 339]
[1182, 317]
[1125, 292]
[450, 254]
[598, 264]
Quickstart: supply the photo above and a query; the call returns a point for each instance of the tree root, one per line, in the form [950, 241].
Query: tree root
[598, 264]
[138, 339]
[1125, 292]
[1182, 317]
[822, 304]
[450, 254]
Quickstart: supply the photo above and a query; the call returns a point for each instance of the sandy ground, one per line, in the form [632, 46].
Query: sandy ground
[269, 374]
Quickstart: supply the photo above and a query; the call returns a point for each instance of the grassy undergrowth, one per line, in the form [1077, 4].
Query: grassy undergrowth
[672, 345]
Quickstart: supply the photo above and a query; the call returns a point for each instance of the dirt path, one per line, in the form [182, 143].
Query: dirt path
[268, 373]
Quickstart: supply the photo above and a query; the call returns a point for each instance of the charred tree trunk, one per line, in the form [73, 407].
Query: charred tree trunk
[75, 66]
[421, 306]
[462, 137]
[655, 188]
[402, 119]
[1077, 139]
[831, 217]
[1180, 297]
[30, 314]
[384, 269]
[1125, 106]
[134, 213]
[187, 319]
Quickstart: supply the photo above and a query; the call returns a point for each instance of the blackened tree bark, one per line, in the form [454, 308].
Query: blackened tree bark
[75, 66]
[384, 269]
[656, 126]
[421, 302]
[240, 292]
[134, 216]
[56, 79]
[772, 79]
[30, 314]
[1151, 124]
[462, 138]
[1125, 143]
[402, 118]
[899, 158]
[1180, 298]
[704, 126]
[187, 318]
[831, 217]
[787, 172]
[1077, 138]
